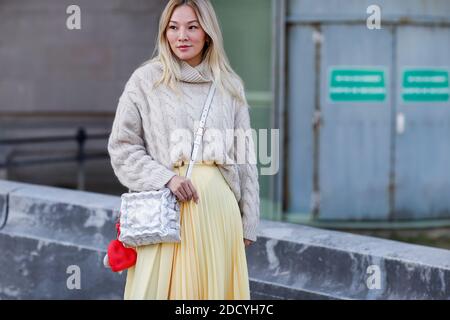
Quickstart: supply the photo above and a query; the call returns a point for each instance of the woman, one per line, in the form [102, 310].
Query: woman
[150, 147]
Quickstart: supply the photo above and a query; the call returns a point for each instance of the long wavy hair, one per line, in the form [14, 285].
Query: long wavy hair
[224, 76]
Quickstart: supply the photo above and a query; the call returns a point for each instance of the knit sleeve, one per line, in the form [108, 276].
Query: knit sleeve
[134, 167]
[245, 158]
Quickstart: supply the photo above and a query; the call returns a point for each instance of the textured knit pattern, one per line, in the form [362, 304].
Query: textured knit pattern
[153, 132]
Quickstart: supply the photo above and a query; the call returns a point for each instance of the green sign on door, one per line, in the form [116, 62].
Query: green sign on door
[357, 84]
[425, 85]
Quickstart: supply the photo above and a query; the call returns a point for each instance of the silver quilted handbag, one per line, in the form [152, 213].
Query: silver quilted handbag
[151, 217]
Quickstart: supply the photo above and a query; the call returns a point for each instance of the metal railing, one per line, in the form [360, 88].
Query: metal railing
[81, 137]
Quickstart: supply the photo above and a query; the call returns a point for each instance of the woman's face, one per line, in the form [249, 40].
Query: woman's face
[185, 35]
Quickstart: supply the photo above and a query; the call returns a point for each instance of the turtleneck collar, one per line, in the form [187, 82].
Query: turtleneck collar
[199, 73]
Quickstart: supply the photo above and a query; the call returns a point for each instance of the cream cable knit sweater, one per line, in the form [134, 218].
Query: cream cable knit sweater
[153, 131]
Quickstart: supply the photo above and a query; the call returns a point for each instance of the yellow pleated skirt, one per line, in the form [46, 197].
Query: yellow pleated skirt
[210, 261]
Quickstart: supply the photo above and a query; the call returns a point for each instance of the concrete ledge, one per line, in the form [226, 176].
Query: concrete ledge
[47, 231]
[334, 265]
[40, 269]
[50, 229]
[84, 218]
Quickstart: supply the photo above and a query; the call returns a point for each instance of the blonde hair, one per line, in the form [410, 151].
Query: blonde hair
[214, 53]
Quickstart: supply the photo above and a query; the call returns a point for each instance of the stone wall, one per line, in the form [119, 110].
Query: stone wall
[50, 231]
